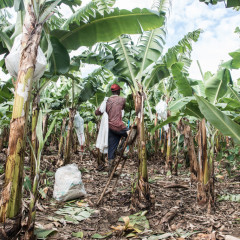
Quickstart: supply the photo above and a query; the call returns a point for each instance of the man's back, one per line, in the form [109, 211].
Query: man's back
[115, 105]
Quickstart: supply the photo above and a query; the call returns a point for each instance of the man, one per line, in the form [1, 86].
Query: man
[117, 128]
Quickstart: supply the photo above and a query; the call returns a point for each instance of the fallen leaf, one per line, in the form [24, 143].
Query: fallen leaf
[78, 234]
[43, 233]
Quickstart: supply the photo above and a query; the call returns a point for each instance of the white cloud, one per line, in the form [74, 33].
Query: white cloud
[217, 40]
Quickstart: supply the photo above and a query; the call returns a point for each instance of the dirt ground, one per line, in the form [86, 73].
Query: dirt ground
[188, 221]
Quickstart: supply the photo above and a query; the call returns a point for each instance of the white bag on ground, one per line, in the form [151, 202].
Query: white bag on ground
[79, 128]
[13, 59]
[161, 110]
[102, 138]
[68, 183]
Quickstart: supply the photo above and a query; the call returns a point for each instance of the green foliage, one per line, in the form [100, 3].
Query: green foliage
[150, 46]
[78, 234]
[88, 11]
[6, 92]
[229, 3]
[6, 3]
[103, 28]
[218, 119]
[181, 80]
[44, 233]
[75, 214]
[216, 86]
[59, 60]
[229, 197]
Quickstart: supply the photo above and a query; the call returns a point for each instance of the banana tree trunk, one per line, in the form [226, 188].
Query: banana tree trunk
[53, 137]
[75, 142]
[6, 133]
[205, 186]
[35, 111]
[141, 196]
[168, 163]
[45, 123]
[164, 144]
[1, 140]
[87, 136]
[60, 146]
[156, 136]
[72, 113]
[189, 143]
[11, 198]
[175, 162]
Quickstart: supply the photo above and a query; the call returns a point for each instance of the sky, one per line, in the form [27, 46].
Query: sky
[214, 44]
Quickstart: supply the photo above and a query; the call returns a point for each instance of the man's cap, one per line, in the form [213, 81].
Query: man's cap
[115, 87]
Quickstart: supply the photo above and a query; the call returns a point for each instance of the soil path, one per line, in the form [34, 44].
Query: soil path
[171, 194]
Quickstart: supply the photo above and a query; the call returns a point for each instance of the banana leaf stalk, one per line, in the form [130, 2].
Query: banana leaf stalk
[35, 111]
[72, 112]
[60, 146]
[141, 195]
[45, 123]
[156, 135]
[205, 187]
[29, 234]
[175, 164]
[1, 140]
[75, 142]
[185, 129]
[168, 163]
[87, 136]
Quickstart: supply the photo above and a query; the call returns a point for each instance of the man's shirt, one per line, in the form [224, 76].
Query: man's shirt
[114, 107]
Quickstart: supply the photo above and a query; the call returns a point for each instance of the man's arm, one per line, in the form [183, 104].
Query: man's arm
[97, 112]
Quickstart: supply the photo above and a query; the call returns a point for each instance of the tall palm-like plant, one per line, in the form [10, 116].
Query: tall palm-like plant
[141, 66]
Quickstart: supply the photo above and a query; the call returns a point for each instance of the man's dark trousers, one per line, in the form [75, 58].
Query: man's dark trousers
[113, 141]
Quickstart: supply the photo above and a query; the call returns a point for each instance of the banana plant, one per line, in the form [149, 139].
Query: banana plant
[142, 66]
[29, 234]
[202, 99]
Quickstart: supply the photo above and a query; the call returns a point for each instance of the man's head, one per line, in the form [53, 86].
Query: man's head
[115, 88]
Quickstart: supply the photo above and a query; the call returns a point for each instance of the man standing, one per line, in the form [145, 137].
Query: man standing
[117, 129]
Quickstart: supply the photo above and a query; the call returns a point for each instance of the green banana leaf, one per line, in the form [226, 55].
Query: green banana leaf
[170, 119]
[181, 80]
[151, 45]
[217, 86]
[218, 119]
[235, 62]
[59, 60]
[89, 10]
[6, 3]
[5, 91]
[155, 75]
[104, 28]
[180, 103]
[229, 3]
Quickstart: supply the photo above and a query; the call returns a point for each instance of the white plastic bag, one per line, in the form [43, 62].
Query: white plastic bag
[161, 110]
[68, 183]
[79, 128]
[102, 139]
[13, 59]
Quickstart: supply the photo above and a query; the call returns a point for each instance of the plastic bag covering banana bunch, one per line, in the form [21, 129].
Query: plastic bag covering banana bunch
[13, 58]
[102, 138]
[79, 128]
[161, 110]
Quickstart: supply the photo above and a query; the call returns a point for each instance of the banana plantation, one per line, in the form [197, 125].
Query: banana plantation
[175, 171]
